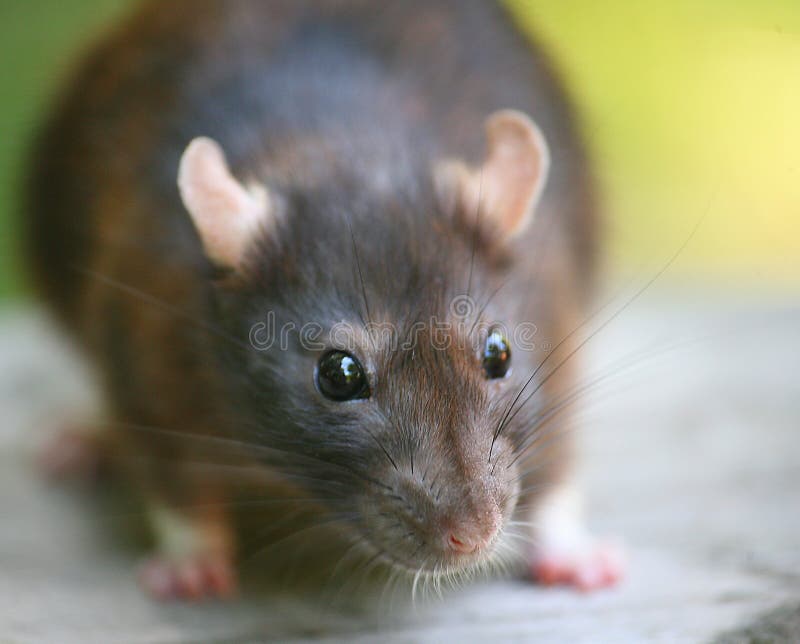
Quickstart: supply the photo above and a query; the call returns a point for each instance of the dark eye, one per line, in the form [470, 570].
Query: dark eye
[496, 355]
[341, 377]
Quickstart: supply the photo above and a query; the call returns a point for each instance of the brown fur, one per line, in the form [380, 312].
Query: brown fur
[116, 256]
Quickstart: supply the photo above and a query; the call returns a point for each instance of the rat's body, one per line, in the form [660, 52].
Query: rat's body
[337, 119]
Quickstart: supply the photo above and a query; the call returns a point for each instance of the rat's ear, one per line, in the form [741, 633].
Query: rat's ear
[508, 185]
[226, 214]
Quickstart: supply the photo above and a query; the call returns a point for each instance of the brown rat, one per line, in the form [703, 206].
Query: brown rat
[321, 246]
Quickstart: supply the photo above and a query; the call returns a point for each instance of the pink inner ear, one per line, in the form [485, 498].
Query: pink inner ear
[515, 170]
[225, 214]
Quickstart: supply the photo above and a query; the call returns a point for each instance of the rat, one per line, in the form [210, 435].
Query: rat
[334, 248]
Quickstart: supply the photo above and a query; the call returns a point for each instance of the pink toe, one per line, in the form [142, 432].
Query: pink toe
[544, 572]
[590, 577]
[194, 578]
[220, 578]
[191, 584]
[551, 570]
[594, 566]
[156, 578]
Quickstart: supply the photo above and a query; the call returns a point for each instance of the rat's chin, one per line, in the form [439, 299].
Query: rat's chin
[423, 560]
[445, 566]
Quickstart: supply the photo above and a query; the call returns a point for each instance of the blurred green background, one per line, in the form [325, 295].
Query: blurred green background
[692, 109]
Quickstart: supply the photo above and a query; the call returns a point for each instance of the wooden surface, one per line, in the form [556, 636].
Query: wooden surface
[692, 457]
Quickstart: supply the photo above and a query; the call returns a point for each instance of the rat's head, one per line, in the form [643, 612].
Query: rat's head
[373, 382]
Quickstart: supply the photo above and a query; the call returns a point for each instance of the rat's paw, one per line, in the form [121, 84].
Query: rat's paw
[201, 576]
[72, 453]
[589, 566]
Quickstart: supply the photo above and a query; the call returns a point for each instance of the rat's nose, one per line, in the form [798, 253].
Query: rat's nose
[470, 527]
[461, 544]
[466, 541]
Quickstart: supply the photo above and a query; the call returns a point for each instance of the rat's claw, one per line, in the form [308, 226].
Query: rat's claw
[589, 567]
[202, 576]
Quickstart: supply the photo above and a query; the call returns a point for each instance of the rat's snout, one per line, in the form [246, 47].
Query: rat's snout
[455, 524]
[448, 525]
[446, 509]
[460, 544]
[469, 536]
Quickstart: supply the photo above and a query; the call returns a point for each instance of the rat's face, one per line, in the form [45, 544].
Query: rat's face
[368, 386]
[397, 423]
[444, 487]
[386, 388]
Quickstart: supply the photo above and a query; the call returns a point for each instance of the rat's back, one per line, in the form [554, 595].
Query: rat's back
[261, 76]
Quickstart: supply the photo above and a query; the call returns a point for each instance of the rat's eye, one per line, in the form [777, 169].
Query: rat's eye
[341, 377]
[496, 355]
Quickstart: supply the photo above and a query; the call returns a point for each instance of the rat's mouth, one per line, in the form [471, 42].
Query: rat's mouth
[413, 529]
[421, 561]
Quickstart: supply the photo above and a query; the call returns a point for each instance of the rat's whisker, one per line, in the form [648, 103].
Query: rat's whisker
[602, 326]
[147, 298]
[259, 448]
[317, 524]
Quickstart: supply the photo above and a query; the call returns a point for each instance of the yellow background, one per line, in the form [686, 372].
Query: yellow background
[692, 109]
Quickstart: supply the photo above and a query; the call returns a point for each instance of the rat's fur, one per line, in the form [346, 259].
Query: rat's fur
[341, 108]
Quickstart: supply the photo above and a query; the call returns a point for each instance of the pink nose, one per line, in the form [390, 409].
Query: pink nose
[461, 544]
